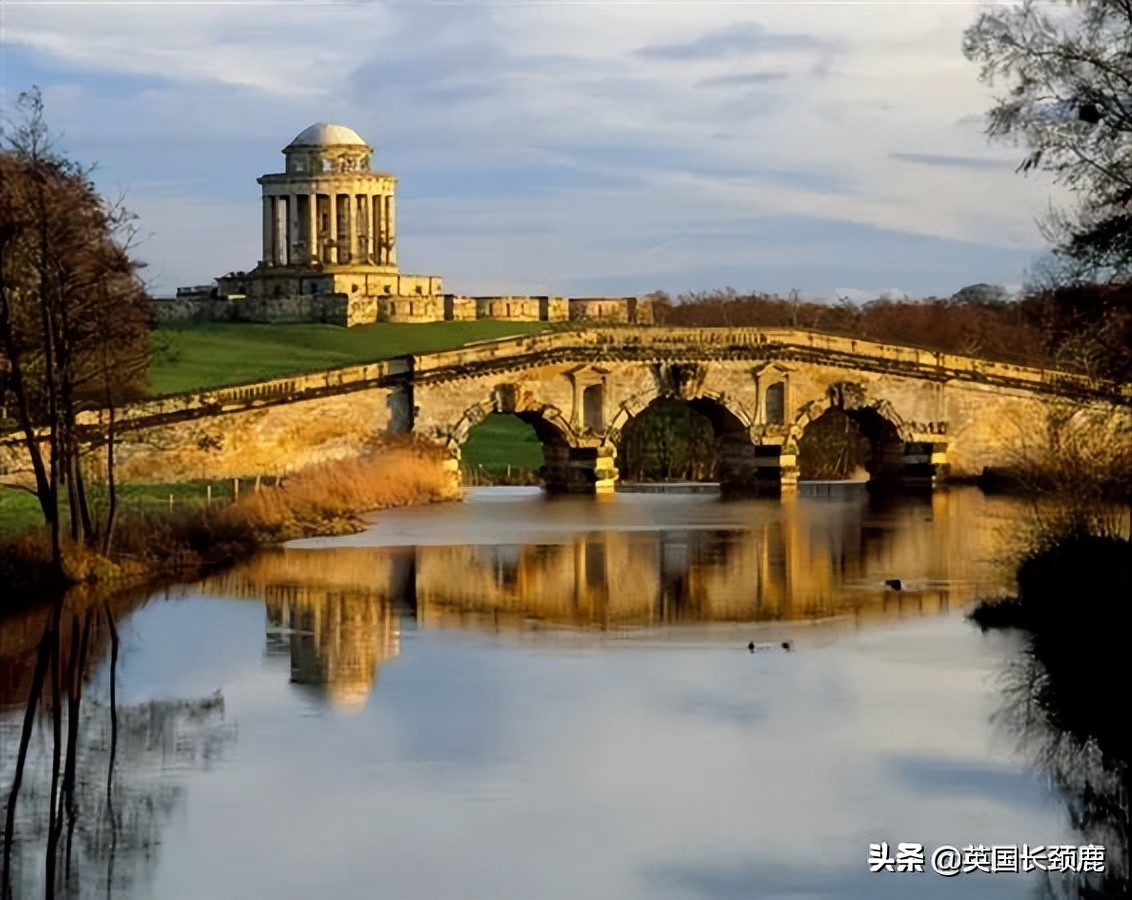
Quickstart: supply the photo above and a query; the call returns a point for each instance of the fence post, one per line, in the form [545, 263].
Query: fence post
[235, 489]
[208, 494]
[257, 484]
[170, 503]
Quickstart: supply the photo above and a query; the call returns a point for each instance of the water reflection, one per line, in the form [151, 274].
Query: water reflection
[338, 612]
[88, 786]
[1062, 704]
[336, 639]
[530, 746]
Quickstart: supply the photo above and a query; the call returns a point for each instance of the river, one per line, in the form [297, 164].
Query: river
[521, 696]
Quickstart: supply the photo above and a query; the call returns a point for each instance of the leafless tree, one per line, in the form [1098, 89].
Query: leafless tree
[74, 325]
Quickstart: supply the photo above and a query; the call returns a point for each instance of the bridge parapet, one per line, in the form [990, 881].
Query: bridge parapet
[661, 343]
[218, 401]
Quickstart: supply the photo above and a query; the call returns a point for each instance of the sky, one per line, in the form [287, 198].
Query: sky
[555, 146]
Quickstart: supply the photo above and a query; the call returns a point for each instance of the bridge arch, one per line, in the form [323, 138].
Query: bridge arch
[730, 423]
[573, 460]
[876, 422]
[726, 416]
[548, 421]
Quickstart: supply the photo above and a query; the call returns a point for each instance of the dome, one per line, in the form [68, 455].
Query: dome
[325, 134]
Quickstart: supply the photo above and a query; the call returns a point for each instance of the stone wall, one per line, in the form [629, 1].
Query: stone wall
[458, 308]
[265, 428]
[190, 309]
[265, 440]
[360, 310]
[334, 309]
[631, 310]
[411, 308]
[515, 309]
[599, 309]
[363, 298]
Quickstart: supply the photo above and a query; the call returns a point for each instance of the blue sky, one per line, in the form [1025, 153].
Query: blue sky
[556, 147]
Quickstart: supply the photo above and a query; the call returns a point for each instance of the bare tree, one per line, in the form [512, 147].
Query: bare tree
[74, 324]
[1067, 75]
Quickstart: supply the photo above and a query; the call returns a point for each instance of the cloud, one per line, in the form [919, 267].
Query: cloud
[958, 162]
[743, 79]
[265, 47]
[555, 143]
[741, 39]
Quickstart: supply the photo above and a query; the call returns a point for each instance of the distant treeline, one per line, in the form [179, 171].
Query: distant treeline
[1084, 327]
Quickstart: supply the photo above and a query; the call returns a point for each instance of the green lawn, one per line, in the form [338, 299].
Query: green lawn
[195, 357]
[19, 509]
[500, 441]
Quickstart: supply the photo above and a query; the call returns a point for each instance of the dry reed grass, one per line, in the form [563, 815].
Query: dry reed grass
[321, 499]
[328, 493]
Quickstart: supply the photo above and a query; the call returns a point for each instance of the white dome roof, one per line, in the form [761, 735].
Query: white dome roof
[325, 134]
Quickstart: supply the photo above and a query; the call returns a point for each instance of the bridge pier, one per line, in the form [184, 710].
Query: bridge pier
[923, 464]
[579, 470]
[765, 469]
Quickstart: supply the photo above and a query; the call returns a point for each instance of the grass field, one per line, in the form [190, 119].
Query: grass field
[19, 509]
[196, 357]
[500, 441]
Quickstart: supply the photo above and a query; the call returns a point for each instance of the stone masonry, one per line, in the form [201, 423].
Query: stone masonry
[927, 414]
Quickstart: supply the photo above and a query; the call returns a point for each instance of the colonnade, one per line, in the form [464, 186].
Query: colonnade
[337, 227]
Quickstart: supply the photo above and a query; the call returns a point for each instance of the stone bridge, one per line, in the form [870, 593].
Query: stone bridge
[926, 414]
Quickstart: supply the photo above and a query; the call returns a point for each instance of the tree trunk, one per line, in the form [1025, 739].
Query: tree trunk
[111, 483]
[42, 661]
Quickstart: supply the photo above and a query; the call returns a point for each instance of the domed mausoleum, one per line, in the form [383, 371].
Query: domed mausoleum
[329, 207]
[330, 254]
[329, 229]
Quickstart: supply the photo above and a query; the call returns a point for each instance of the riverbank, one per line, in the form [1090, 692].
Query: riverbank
[154, 548]
[1071, 585]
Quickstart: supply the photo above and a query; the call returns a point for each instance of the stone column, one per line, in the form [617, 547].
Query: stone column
[922, 464]
[292, 227]
[740, 468]
[268, 230]
[391, 224]
[363, 228]
[352, 226]
[334, 257]
[376, 207]
[279, 231]
[312, 227]
[775, 469]
[288, 227]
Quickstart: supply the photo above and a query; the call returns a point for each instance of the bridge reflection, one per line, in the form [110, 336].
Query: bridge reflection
[338, 613]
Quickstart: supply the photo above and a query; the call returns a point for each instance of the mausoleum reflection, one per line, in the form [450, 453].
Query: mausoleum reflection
[338, 613]
[336, 639]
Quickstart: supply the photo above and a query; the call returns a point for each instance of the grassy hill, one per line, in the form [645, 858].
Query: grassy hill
[196, 357]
